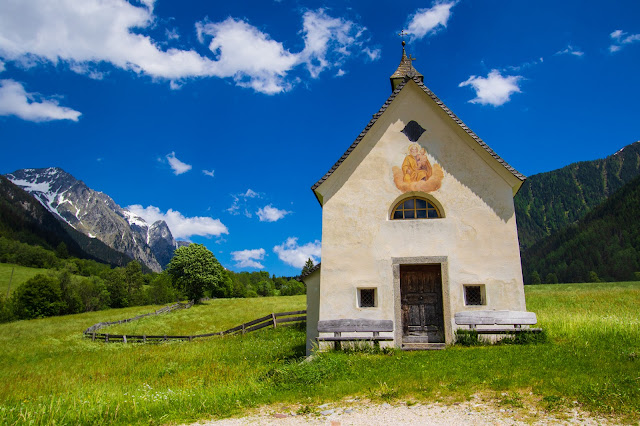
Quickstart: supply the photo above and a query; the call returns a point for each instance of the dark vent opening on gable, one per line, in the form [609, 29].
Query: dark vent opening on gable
[413, 131]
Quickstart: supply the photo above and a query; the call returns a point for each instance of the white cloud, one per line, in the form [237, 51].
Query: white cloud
[620, 38]
[2, 66]
[494, 89]
[208, 172]
[570, 50]
[328, 41]
[248, 55]
[271, 214]
[113, 32]
[181, 226]
[178, 166]
[240, 201]
[15, 100]
[249, 258]
[429, 21]
[293, 254]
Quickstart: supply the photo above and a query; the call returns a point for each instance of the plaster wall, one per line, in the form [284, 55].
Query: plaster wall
[477, 236]
[313, 304]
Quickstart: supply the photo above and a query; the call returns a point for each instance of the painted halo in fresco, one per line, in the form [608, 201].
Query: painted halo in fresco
[416, 172]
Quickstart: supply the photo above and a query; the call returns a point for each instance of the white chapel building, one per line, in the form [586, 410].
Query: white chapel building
[418, 223]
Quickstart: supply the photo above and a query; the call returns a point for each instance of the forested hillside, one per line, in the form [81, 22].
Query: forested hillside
[548, 202]
[604, 245]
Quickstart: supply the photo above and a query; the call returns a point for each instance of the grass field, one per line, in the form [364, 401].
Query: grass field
[20, 275]
[51, 374]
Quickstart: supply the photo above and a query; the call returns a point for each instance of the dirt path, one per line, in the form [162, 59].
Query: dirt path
[353, 412]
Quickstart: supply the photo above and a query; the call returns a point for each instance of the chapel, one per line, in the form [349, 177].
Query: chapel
[418, 223]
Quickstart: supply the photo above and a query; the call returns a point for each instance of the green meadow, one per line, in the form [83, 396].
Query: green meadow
[51, 374]
[11, 276]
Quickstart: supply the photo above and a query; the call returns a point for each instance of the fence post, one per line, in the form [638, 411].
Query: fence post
[93, 336]
[273, 317]
[243, 329]
[124, 338]
[106, 338]
[144, 338]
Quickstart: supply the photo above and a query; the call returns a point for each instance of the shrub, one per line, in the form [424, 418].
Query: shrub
[38, 297]
[467, 337]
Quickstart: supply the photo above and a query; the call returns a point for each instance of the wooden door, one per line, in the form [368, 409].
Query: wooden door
[421, 297]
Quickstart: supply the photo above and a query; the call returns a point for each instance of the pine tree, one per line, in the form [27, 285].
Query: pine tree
[308, 266]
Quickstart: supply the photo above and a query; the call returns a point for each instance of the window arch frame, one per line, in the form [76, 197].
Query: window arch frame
[399, 202]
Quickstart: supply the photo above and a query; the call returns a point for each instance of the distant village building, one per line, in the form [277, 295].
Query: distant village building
[418, 223]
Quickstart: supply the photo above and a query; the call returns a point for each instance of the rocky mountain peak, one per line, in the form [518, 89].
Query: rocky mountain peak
[96, 215]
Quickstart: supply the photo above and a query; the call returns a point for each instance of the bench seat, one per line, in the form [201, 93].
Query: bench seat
[511, 321]
[351, 325]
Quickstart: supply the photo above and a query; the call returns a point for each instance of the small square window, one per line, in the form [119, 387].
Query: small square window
[367, 297]
[474, 295]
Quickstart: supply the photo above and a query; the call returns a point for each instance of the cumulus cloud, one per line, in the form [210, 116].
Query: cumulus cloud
[271, 214]
[249, 258]
[570, 50]
[86, 33]
[15, 100]
[178, 166]
[208, 172]
[328, 41]
[494, 89]
[429, 21]
[181, 227]
[620, 39]
[296, 255]
[1, 66]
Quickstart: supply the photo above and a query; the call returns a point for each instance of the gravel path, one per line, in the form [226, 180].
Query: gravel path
[351, 412]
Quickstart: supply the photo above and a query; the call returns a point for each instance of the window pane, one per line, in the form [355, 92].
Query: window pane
[408, 204]
[433, 213]
[408, 214]
[367, 298]
[421, 214]
[431, 206]
[397, 214]
[421, 204]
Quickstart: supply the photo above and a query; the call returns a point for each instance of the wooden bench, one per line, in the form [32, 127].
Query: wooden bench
[511, 321]
[337, 327]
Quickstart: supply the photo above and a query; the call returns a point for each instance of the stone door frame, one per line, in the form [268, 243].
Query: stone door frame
[446, 303]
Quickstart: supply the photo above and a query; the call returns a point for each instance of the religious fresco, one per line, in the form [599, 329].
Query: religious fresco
[416, 172]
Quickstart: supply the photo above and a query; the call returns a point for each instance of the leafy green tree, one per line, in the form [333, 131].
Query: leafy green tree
[593, 277]
[535, 278]
[194, 270]
[61, 251]
[38, 297]
[308, 266]
[161, 290]
[292, 288]
[551, 278]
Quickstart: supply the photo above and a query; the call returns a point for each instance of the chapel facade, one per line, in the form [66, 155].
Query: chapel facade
[418, 223]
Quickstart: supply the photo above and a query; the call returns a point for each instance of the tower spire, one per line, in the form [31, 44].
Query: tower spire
[405, 68]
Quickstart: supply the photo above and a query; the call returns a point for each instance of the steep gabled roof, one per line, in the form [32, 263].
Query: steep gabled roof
[417, 79]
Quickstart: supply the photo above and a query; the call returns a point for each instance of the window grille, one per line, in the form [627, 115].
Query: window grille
[415, 208]
[473, 295]
[367, 297]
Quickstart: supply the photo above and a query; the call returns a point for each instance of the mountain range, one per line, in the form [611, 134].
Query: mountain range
[96, 216]
[574, 223]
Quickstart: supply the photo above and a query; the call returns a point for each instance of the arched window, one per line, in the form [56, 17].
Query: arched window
[415, 208]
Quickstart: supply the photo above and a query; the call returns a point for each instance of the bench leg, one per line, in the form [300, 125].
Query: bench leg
[337, 345]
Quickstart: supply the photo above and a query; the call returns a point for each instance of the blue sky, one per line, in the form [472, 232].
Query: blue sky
[219, 116]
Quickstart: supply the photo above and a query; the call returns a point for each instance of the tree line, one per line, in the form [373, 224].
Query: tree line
[72, 285]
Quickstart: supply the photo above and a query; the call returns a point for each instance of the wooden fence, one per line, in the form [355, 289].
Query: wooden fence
[271, 320]
[163, 310]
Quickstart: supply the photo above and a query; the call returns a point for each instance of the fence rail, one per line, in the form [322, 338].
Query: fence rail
[163, 310]
[271, 320]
